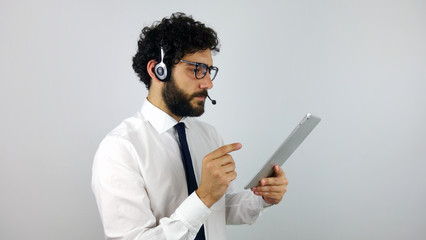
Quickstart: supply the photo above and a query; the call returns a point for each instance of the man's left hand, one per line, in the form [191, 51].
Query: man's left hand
[272, 189]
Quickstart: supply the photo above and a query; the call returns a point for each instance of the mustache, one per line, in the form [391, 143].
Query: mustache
[200, 94]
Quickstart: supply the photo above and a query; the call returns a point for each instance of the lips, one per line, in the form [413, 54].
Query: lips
[201, 95]
[200, 98]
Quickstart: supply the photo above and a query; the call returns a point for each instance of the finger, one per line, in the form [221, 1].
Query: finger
[224, 160]
[273, 195]
[225, 149]
[276, 189]
[220, 162]
[278, 171]
[273, 181]
[231, 176]
[281, 190]
[230, 167]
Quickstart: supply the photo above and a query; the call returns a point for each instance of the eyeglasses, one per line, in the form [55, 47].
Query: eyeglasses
[201, 70]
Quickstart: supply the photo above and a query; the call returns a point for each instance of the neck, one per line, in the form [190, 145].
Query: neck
[159, 103]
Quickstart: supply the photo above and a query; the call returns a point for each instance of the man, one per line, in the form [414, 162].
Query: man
[156, 179]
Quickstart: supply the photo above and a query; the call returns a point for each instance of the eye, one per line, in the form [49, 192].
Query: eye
[202, 67]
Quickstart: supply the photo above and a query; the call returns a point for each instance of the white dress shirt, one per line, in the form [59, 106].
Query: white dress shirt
[140, 186]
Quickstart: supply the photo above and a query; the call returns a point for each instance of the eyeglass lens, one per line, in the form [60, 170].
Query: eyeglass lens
[202, 69]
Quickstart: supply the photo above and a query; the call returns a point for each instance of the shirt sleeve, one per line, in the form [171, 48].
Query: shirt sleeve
[243, 207]
[124, 204]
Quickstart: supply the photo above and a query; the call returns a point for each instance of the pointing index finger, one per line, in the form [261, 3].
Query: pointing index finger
[225, 149]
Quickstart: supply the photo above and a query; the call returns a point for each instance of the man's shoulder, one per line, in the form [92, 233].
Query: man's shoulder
[128, 127]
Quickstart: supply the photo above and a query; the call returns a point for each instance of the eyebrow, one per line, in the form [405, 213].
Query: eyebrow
[192, 63]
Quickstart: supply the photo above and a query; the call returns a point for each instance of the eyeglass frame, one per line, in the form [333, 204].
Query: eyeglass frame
[196, 64]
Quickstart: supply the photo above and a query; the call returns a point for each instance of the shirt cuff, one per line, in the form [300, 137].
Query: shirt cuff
[193, 212]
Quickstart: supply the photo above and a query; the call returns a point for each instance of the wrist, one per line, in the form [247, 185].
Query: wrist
[204, 198]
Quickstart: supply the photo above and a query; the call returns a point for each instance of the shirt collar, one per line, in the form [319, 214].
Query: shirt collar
[160, 120]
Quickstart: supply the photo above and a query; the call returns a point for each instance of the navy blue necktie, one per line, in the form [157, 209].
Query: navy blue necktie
[189, 169]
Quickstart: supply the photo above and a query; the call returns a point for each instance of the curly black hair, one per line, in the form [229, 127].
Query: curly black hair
[178, 35]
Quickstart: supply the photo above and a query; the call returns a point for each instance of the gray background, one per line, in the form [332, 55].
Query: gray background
[66, 80]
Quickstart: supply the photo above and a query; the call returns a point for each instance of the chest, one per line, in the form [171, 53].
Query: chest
[161, 167]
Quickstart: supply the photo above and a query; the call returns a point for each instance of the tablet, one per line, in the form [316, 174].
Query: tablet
[293, 141]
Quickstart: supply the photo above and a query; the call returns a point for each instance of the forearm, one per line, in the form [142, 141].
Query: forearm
[140, 223]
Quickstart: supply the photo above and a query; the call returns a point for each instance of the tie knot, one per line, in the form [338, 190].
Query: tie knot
[180, 125]
[180, 128]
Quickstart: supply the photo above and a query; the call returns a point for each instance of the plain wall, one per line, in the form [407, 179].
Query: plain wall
[66, 80]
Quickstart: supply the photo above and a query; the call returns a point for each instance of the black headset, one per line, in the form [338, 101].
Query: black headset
[161, 71]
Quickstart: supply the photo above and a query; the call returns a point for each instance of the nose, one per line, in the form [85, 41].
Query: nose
[206, 82]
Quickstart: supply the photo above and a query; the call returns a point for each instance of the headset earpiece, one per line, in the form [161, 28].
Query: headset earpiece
[160, 70]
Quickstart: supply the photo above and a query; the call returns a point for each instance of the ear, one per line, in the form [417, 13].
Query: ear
[150, 68]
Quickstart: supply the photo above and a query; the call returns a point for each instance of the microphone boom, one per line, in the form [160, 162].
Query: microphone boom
[213, 101]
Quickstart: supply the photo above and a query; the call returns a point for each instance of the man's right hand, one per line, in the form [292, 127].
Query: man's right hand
[217, 172]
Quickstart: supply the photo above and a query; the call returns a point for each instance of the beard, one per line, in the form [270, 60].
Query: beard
[179, 103]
